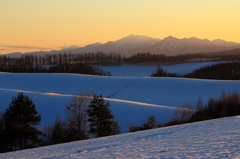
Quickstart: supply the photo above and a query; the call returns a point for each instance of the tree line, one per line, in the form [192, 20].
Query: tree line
[162, 59]
[87, 117]
[223, 71]
[228, 104]
[63, 68]
[220, 71]
[100, 58]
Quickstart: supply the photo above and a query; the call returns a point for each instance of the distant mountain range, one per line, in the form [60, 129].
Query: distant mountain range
[133, 44]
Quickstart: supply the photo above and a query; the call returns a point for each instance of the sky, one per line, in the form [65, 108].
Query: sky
[43, 25]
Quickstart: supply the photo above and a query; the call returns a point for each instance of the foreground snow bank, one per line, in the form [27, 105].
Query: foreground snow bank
[209, 139]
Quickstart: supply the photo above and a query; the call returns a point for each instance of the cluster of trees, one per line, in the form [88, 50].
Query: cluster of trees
[224, 71]
[150, 123]
[63, 68]
[163, 73]
[100, 58]
[221, 71]
[227, 105]
[162, 59]
[181, 115]
[87, 117]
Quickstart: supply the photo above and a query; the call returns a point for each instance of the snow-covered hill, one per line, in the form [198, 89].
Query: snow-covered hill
[132, 99]
[218, 138]
[147, 70]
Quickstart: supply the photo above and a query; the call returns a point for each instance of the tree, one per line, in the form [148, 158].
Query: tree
[2, 134]
[21, 119]
[47, 134]
[184, 113]
[77, 116]
[100, 118]
[116, 128]
[151, 123]
[133, 128]
[199, 104]
[58, 131]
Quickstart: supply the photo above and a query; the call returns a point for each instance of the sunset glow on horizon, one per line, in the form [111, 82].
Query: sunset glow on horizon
[43, 25]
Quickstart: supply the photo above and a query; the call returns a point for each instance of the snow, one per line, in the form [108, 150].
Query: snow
[188, 67]
[51, 106]
[132, 99]
[219, 138]
[146, 70]
[51, 92]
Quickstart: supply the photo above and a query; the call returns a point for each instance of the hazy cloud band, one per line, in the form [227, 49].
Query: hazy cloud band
[23, 47]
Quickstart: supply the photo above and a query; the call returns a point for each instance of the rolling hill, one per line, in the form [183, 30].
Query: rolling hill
[217, 138]
[132, 99]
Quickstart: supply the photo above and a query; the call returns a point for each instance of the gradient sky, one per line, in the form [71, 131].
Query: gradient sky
[34, 25]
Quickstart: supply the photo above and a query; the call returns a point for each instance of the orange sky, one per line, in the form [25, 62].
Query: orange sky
[34, 25]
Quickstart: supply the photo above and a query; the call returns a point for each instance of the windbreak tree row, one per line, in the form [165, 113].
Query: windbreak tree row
[67, 68]
[162, 59]
[220, 71]
[223, 71]
[100, 58]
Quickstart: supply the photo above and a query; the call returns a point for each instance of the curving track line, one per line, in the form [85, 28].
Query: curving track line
[109, 99]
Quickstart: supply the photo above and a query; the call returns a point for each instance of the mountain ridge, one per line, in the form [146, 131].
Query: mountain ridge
[133, 44]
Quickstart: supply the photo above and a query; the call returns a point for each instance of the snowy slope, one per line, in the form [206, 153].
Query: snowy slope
[51, 106]
[185, 68]
[151, 93]
[145, 70]
[208, 139]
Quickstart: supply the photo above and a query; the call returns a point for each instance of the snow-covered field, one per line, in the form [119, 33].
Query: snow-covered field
[218, 138]
[132, 99]
[145, 70]
[156, 96]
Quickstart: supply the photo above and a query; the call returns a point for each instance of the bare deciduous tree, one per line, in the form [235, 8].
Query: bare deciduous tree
[184, 113]
[76, 114]
[199, 104]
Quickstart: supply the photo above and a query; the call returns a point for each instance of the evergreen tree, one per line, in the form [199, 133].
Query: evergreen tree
[100, 118]
[58, 134]
[21, 119]
[2, 134]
